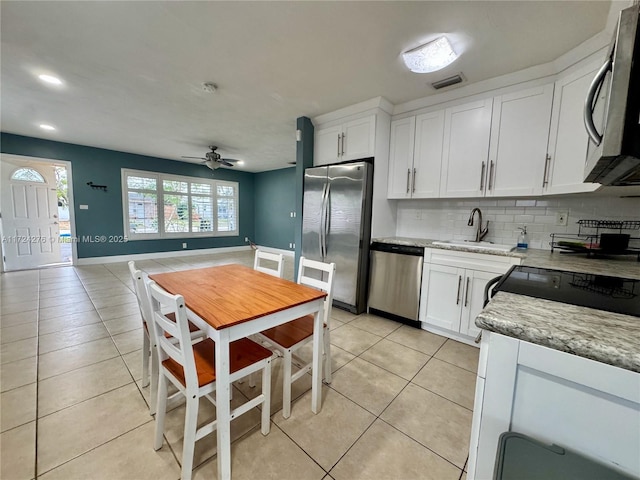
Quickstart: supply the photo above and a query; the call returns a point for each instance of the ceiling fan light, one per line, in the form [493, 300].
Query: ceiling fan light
[430, 57]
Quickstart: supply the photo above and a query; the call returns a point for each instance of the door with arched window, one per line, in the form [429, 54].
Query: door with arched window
[30, 228]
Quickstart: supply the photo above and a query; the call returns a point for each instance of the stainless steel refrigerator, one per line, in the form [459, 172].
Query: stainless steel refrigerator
[336, 226]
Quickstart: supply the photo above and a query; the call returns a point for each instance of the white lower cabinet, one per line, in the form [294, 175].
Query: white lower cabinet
[453, 286]
[585, 406]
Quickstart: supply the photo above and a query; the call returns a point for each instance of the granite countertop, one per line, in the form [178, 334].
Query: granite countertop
[606, 337]
[616, 265]
[429, 243]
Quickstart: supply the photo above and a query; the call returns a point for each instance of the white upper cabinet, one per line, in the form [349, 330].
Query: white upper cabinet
[427, 155]
[518, 147]
[327, 145]
[401, 157]
[497, 147]
[350, 140]
[415, 156]
[467, 131]
[568, 138]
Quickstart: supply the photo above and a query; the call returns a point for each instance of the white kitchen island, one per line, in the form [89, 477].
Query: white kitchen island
[559, 373]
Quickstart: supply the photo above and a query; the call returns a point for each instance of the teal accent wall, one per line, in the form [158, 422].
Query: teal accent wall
[104, 216]
[275, 199]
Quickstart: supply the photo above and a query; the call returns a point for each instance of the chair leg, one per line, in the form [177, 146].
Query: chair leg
[327, 356]
[266, 404]
[252, 380]
[189, 440]
[161, 412]
[286, 384]
[146, 352]
[153, 390]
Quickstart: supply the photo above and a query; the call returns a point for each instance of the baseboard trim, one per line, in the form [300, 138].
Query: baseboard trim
[286, 253]
[153, 255]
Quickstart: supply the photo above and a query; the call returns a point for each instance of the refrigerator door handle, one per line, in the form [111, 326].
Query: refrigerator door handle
[323, 209]
[327, 217]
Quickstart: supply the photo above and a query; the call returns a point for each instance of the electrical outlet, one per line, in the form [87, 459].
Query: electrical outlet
[417, 214]
[290, 245]
[246, 239]
[184, 245]
[562, 218]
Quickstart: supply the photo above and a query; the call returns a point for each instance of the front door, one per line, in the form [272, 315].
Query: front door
[30, 230]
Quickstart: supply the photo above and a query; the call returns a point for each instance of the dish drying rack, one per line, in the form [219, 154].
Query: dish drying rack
[587, 240]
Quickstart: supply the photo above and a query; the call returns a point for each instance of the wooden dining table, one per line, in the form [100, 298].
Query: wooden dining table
[230, 302]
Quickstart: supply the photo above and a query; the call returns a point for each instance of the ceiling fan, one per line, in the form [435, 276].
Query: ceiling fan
[214, 160]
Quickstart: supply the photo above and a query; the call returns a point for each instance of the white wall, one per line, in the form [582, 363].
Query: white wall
[442, 219]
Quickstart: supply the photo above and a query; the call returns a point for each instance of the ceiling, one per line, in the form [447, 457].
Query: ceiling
[133, 71]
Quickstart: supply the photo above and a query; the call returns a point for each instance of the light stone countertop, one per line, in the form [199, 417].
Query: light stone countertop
[428, 243]
[615, 265]
[606, 337]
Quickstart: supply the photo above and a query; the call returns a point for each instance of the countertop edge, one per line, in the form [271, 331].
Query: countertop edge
[583, 337]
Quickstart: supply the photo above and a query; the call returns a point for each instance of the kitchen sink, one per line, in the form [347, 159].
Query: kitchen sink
[498, 247]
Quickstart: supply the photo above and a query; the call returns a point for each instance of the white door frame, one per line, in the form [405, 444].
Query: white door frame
[72, 219]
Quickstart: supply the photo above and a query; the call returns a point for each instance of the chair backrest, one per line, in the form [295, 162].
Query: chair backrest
[141, 294]
[273, 259]
[179, 347]
[320, 276]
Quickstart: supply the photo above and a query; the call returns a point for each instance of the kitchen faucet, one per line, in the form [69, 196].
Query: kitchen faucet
[480, 232]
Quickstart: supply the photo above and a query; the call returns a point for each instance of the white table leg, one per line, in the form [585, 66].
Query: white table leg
[316, 379]
[223, 407]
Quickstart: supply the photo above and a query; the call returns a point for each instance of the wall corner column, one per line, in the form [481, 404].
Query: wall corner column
[304, 159]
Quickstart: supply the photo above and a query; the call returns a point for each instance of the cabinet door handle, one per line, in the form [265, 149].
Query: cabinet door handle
[408, 179]
[466, 294]
[458, 294]
[490, 173]
[338, 144]
[482, 177]
[414, 181]
[545, 181]
[342, 145]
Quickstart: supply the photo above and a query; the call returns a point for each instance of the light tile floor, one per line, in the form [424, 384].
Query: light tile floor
[72, 405]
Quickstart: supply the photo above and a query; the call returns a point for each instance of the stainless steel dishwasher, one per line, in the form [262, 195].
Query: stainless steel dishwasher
[396, 277]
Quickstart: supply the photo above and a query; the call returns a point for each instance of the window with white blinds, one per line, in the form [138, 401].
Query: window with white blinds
[157, 205]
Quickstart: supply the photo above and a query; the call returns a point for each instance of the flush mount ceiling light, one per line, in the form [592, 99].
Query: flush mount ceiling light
[50, 79]
[44, 126]
[430, 57]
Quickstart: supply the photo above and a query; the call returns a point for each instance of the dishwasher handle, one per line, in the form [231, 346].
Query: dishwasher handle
[396, 248]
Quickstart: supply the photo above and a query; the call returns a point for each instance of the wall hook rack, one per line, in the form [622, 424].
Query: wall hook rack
[98, 187]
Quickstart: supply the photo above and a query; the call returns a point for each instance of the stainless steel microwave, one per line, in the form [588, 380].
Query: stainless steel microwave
[612, 109]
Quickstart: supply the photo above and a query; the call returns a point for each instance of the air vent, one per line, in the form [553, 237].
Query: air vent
[447, 82]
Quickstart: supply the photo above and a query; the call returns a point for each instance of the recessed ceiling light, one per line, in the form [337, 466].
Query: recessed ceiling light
[44, 126]
[50, 79]
[240, 162]
[430, 57]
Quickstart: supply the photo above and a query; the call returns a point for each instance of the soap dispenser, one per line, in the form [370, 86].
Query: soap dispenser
[523, 239]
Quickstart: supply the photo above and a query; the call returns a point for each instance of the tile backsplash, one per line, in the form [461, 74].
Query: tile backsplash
[442, 219]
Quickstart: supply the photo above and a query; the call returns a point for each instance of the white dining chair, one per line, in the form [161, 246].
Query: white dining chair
[266, 261]
[191, 369]
[148, 340]
[289, 337]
